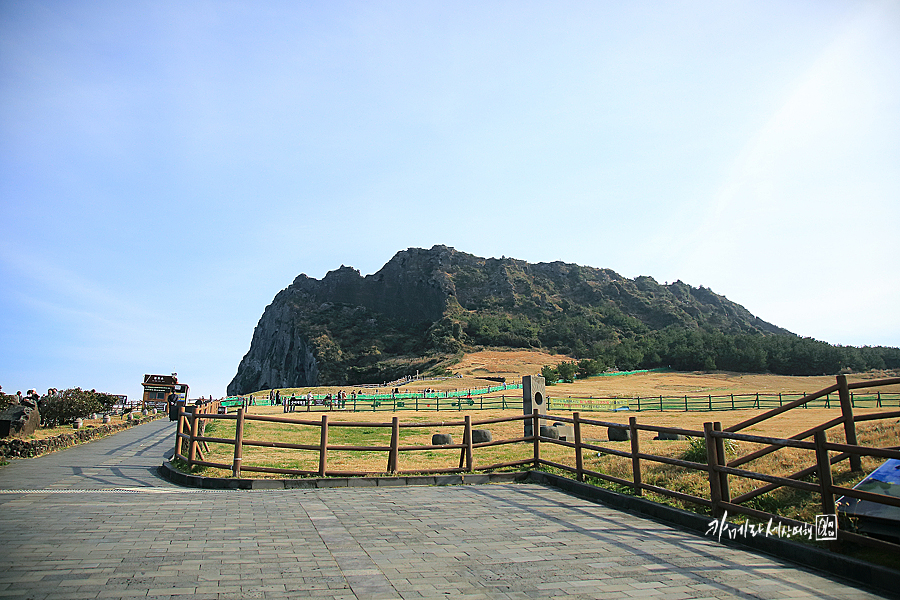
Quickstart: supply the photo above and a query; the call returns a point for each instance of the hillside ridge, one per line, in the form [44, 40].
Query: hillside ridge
[426, 305]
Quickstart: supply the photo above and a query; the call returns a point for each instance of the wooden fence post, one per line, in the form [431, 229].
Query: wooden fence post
[207, 409]
[192, 447]
[824, 469]
[720, 452]
[467, 440]
[178, 431]
[323, 446]
[536, 433]
[849, 424]
[635, 460]
[712, 461]
[238, 443]
[393, 453]
[579, 462]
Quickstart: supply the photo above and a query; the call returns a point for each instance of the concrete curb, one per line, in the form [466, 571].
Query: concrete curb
[882, 579]
[167, 471]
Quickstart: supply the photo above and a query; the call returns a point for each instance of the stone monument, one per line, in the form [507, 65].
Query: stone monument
[534, 397]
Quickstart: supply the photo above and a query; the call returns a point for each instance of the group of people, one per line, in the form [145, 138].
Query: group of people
[337, 400]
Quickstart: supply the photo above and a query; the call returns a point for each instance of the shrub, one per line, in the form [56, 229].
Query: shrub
[106, 401]
[567, 371]
[550, 374]
[696, 450]
[67, 405]
[588, 368]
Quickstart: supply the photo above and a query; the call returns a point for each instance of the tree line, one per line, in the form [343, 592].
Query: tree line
[692, 350]
[631, 346]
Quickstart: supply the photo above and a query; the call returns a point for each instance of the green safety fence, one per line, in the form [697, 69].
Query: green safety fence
[397, 403]
[404, 398]
[481, 399]
[757, 401]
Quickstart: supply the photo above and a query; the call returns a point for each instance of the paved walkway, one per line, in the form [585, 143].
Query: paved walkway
[95, 521]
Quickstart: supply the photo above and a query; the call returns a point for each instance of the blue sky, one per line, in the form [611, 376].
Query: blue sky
[167, 167]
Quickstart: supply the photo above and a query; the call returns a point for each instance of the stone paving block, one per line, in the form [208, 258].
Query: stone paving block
[107, 593]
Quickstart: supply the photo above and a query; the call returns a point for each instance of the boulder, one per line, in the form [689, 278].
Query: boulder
[19, 419]
[481, 435]
[618, 434]
[441, 439]
[670, 436]
[549, 431]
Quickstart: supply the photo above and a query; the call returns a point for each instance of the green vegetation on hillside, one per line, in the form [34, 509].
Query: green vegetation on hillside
[351, 351]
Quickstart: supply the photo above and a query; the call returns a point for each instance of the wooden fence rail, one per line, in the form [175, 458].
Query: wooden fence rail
[718, 469]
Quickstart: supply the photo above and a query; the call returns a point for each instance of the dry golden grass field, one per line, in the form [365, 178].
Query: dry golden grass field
[516, 363]
[513, 365]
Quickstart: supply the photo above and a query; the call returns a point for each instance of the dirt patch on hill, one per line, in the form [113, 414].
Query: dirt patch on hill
[512, 364]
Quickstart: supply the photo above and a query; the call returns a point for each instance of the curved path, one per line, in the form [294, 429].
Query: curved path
[95, 521]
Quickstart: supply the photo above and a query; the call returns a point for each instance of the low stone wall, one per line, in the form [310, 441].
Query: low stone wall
[19, 448]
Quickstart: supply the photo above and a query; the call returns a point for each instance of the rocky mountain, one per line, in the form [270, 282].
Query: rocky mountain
[424, 306]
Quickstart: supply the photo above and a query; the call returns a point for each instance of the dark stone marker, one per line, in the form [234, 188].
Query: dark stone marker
[618, 434]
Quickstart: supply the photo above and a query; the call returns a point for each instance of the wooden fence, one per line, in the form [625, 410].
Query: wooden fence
[192, 425]
[717, 468]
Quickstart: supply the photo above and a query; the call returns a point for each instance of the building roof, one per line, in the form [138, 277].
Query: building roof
[160, 379]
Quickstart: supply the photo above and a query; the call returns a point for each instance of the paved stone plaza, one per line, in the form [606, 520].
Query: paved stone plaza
[96, 521]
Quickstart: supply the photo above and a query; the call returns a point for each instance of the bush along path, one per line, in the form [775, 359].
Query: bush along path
[20, 448]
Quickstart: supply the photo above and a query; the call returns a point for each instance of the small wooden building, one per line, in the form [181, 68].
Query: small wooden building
[158, 389]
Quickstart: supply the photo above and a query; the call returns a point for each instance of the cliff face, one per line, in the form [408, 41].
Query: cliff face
[425, 304]
[279, 356]
[297, 332]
